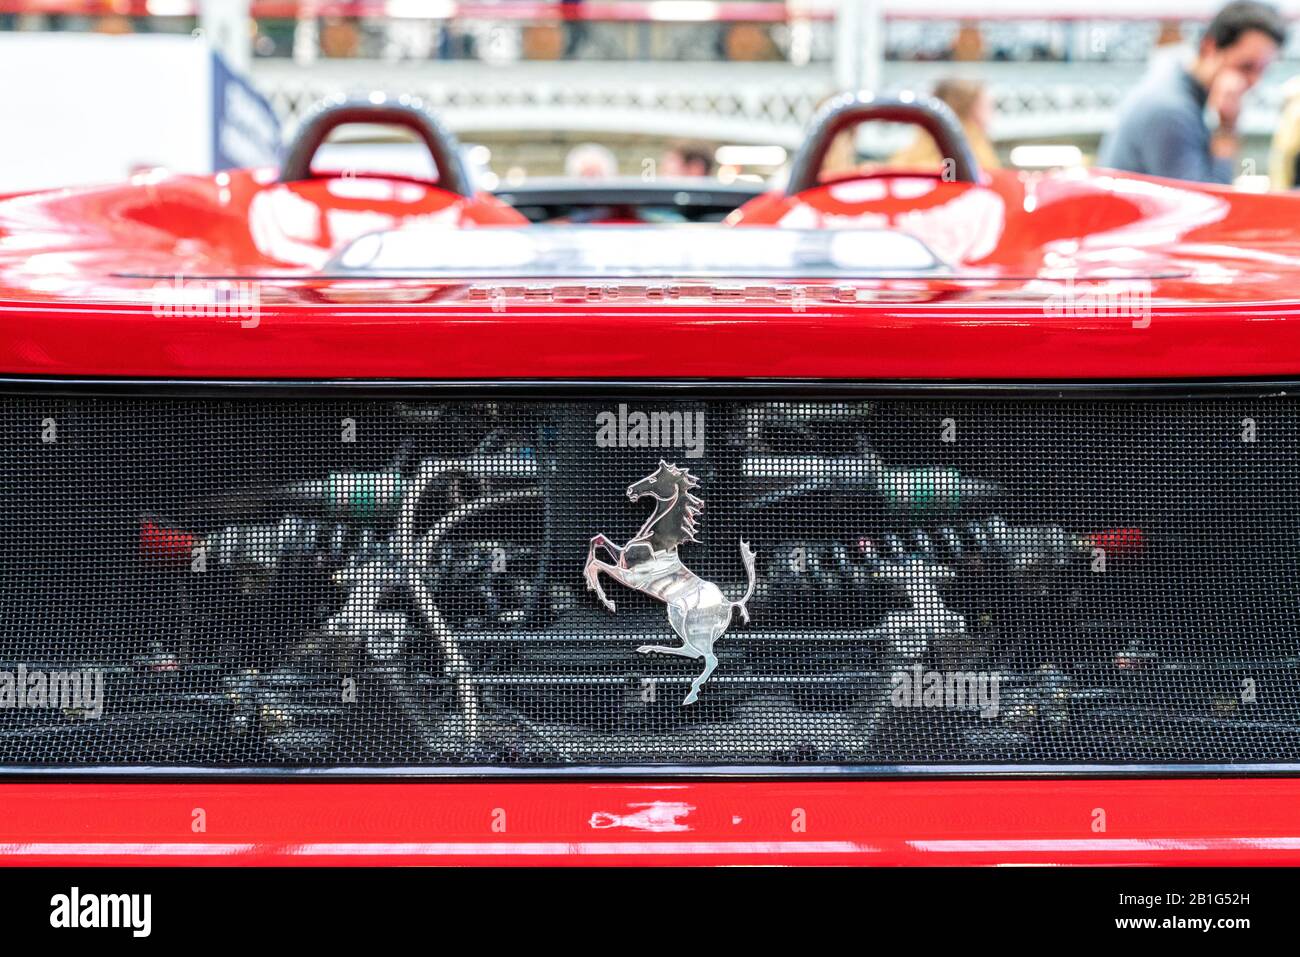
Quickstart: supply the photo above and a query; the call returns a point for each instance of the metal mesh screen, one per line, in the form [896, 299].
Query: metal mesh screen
[368, 583]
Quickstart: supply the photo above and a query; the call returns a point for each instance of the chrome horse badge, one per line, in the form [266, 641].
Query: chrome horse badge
[697, 610]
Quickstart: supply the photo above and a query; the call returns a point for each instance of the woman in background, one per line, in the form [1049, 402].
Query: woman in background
[971, 101]
[1285, 151]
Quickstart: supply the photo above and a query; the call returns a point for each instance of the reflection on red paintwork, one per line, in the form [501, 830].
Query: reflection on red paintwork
[1035, 821]
[1004, 238]
[1038, 263]
[654, 816]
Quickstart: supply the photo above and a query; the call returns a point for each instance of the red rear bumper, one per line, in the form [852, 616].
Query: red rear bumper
[1186, 822]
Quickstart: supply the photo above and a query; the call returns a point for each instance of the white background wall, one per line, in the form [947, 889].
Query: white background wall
[83, 108]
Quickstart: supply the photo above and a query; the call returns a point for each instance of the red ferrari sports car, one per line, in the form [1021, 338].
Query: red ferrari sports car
[898, 517]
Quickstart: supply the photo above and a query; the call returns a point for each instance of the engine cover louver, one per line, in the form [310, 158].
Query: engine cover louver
[864, 579]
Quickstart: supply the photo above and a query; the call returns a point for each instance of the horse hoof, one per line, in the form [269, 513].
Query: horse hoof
[608, 604]
[645, 649]
[691, 698]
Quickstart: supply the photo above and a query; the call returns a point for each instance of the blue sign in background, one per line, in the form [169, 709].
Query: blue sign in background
[245, 130]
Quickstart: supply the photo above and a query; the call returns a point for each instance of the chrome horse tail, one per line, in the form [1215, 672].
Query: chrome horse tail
[747, 558]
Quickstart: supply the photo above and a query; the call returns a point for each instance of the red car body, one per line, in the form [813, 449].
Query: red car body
[1219, 269]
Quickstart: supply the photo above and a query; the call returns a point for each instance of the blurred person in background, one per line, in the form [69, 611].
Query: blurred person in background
[340, 37]
[575, 31]
[591, 161]
[114, 25]
[1162, 130]
[1284, 154]
[971, 101]
[969, 45]
[686, 159]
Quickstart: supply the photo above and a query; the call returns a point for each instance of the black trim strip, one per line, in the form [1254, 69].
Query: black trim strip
[628, 388]
[579, 774]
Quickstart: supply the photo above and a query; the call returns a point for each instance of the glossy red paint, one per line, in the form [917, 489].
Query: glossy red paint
[1223, 822]
[1210, 277]
[1218, 276]
[562, 341]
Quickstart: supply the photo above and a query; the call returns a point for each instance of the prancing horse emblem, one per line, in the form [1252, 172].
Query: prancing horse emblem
[697, 610]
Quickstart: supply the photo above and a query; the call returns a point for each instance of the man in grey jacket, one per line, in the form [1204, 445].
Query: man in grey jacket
[1162, 130]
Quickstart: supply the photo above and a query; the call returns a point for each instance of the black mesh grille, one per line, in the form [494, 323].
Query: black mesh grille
[365, 583]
